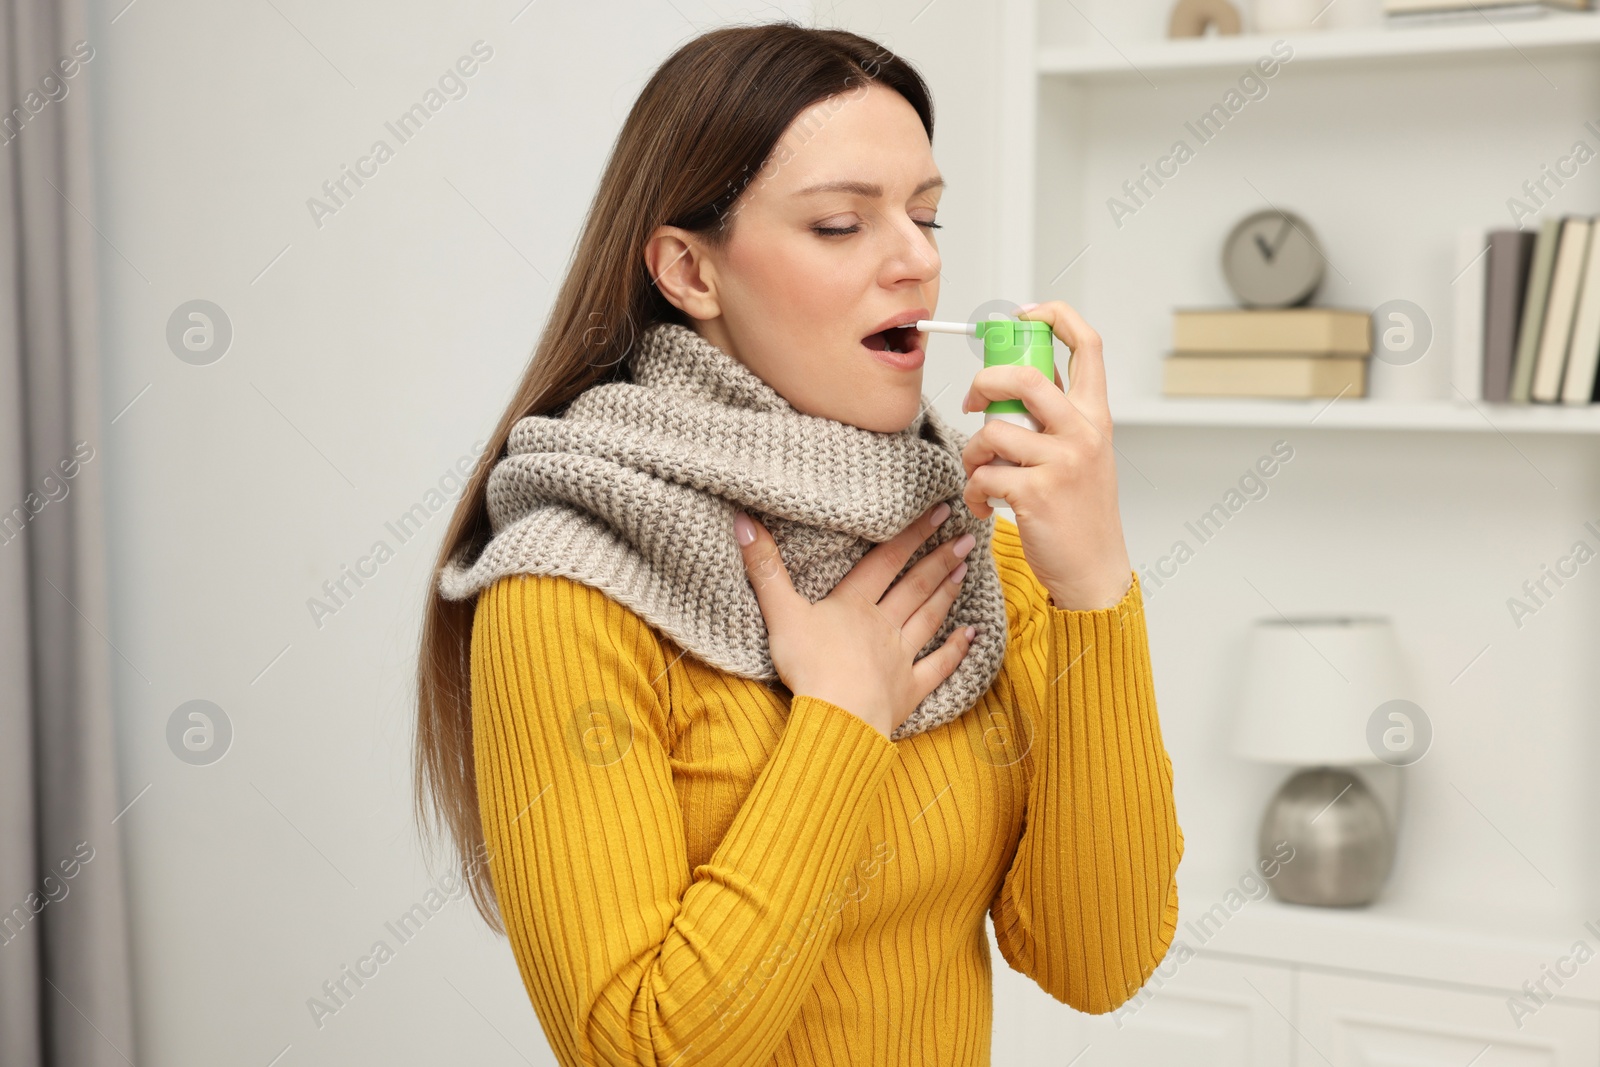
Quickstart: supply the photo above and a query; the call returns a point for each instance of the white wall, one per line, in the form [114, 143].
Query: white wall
[368, 355]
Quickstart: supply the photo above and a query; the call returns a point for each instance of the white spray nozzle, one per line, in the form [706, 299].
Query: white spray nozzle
[931, 326]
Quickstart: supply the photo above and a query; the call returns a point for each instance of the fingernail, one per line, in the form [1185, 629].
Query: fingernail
[956, 575]
[963, 545]
[1027, 307]
[743, 528]
[941, 513]
[972, 631]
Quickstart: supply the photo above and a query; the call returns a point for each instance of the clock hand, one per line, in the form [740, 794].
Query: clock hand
[1266, 249]
[1283, 231]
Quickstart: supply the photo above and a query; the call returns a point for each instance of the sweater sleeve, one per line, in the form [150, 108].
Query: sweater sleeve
[629, 956]
[1089, 905]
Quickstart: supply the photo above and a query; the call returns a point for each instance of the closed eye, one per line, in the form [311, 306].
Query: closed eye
[835, 231]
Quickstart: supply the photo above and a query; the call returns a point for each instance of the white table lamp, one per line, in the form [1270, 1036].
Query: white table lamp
[1313, 687]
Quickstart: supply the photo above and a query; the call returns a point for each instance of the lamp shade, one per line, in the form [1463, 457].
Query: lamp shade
[1311, 685]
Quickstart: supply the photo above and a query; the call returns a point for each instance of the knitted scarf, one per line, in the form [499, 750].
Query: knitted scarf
[632, 489]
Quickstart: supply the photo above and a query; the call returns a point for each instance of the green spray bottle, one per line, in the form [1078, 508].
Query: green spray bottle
[1007, 341]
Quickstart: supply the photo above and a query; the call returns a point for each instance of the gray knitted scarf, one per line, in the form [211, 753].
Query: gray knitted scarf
[632, 489]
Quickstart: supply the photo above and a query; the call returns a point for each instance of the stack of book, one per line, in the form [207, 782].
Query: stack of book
[1268, 352]
[1530, 313]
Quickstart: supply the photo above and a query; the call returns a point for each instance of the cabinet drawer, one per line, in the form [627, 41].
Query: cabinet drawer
[1202, 1012]
[1358, 1022]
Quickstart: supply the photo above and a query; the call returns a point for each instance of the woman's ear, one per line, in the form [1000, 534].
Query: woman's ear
[681, 268]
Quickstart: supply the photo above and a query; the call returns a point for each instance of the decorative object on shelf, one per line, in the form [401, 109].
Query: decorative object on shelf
[1311, 689]
[1274, 16]
[1274, 346]
[1268, 352]
[1272, 258]
[1193, 18]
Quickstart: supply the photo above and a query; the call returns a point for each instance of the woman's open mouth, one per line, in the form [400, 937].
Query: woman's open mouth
[899, 347]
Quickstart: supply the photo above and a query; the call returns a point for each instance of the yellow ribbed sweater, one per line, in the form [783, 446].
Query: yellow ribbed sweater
[695, 868]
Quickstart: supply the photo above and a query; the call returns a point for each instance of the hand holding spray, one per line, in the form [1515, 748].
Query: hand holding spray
[1007, 341]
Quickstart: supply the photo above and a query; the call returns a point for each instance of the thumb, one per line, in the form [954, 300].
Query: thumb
[770, 578]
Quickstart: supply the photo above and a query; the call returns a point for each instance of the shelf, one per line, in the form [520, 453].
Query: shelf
[1358, 414]
[1511, 37]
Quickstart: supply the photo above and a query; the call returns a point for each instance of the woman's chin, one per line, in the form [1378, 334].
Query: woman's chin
[893, 412]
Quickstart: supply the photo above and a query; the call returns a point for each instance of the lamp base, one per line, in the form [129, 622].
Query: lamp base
[1343, 840]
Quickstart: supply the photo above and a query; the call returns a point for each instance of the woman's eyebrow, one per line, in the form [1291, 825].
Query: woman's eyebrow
[861, 188]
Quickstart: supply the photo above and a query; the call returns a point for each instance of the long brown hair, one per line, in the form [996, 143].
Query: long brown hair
[702, 130]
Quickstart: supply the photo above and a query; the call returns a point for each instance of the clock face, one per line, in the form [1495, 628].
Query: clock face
[1272, 259]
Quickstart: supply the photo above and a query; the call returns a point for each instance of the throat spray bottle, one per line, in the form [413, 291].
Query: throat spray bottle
[1007, 341]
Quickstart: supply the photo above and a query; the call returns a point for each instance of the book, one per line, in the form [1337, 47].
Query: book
[1510, 255]
[1468, 294]
[1285, 375]
[1408, 11]
[1510, 13]
[1305, 331]
[1533, 300]
[1571, 255]
[1583, 353]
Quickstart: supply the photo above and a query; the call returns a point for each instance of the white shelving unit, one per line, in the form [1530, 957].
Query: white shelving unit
[1388, 140]
[1454, 99]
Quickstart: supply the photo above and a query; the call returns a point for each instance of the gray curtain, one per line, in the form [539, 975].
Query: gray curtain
[65, 989]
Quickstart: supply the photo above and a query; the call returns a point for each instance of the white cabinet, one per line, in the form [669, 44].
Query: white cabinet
[1233, 1013]
[1356, 1022]
[1207, 1013]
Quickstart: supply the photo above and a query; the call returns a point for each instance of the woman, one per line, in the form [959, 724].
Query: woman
[748, 785]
